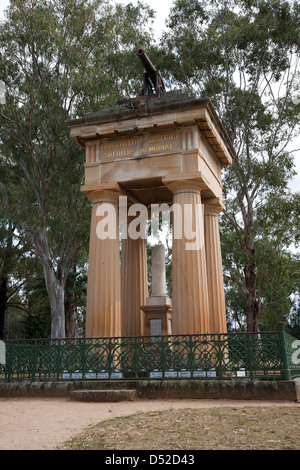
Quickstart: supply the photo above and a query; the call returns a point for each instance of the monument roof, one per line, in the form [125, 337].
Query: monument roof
[150, 105]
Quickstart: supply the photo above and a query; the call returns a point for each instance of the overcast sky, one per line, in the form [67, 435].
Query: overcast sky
[162, 8]
[3, 5]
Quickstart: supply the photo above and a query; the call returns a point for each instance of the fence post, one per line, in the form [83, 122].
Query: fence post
[285, 370]
[58, 363]
[136, 358]
[8, 364]
[110, 358]
[220, 356]
[34, 361]
[250, 354]
[84, 367]
[191, 356]
[162, 357]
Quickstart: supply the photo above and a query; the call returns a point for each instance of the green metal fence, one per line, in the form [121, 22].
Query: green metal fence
[264, 355]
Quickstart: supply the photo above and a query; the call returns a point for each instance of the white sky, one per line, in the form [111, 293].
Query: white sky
[162, 8]
[3, 4]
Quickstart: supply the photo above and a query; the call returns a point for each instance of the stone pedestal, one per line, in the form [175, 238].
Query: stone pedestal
[214, 268]
[158, 308]
[158, 320]
[134, 282]
[103, 311]
[189, 281]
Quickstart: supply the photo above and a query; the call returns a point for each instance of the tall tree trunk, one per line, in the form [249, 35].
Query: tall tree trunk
[55, 285]
[70, 308]
[56, 294]
[8, 261]
[251, 304]
[247, 244]
[70, 313]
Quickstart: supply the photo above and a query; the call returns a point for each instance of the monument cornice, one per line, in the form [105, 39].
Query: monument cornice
[147, 114]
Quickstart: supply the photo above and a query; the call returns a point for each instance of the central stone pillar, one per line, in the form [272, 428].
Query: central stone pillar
[189, 278]
[158, 308]
[158, 271]
[103, 313]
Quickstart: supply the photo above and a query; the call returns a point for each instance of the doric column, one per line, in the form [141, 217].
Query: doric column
[134, 281]
[103, 315]
[214, 268]
[189, 282]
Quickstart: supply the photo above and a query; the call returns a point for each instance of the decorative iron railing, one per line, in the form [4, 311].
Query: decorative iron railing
[222, 356]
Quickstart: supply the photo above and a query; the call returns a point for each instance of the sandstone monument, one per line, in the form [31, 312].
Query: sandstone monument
[156, 149]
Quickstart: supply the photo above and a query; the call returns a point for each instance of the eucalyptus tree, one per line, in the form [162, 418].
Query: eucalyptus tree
[243, 55]
[59, 59]
[276, 224]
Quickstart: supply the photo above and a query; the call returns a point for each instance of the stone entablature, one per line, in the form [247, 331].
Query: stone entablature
[180, 134]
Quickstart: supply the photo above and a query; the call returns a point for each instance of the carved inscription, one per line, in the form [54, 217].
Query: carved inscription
[168, 142]
[118, 148]
[139, 146]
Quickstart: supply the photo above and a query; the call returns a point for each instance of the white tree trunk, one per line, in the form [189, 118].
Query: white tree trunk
[55, 287]
[56, 293]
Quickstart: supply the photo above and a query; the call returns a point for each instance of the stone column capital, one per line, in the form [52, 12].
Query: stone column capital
[104, 195]
[212, 206]
[105, 192]
[185, 186]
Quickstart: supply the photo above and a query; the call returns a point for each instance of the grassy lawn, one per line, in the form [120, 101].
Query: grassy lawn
[261, 428]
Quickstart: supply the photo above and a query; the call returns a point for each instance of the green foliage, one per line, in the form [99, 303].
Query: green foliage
[37, 324]
[243, 55]
[35, 313]
[59, 59]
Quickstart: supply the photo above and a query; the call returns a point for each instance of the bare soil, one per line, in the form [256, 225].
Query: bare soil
[48, 423]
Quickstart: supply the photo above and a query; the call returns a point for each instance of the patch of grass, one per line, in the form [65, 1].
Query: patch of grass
[261, 428]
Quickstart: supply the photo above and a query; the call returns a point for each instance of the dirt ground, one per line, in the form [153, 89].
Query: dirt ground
[45, 423]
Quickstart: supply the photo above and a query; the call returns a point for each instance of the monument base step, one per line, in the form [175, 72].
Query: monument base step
[103, 395]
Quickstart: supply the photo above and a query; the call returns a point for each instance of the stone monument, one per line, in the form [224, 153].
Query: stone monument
[157, 149]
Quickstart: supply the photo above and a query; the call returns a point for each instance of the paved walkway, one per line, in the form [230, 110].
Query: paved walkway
[45, 423]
